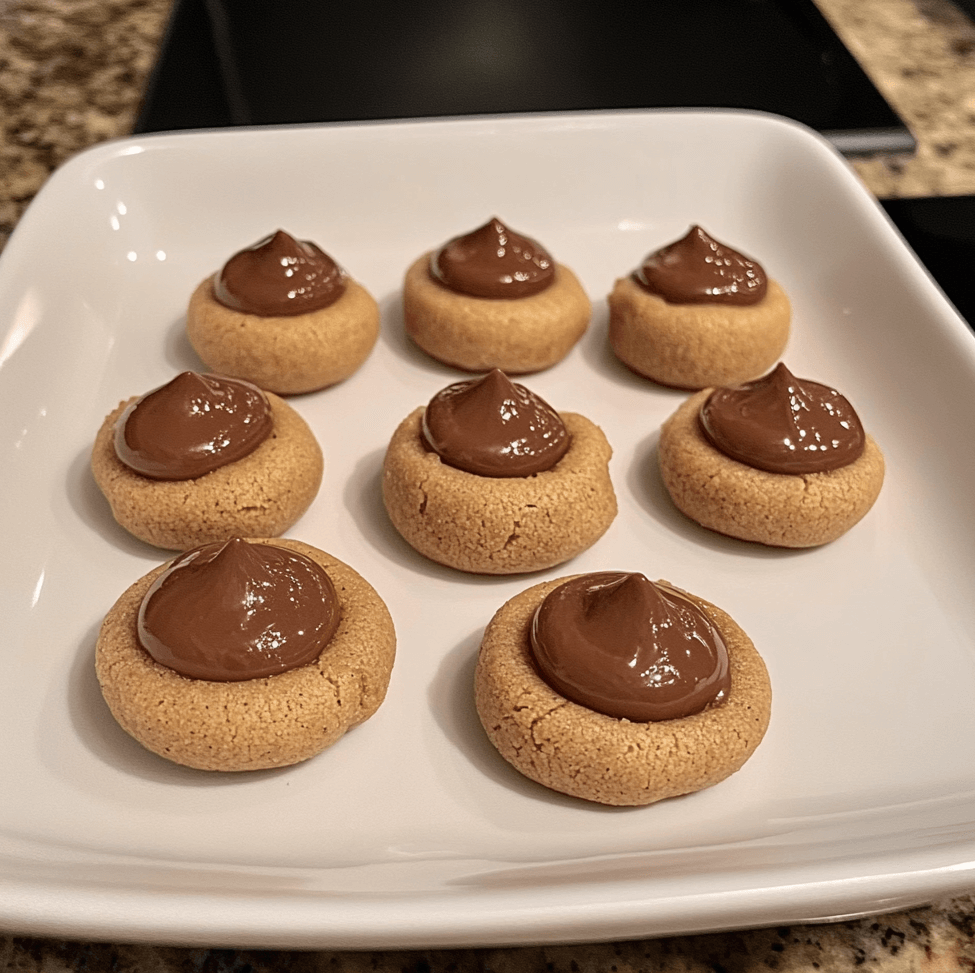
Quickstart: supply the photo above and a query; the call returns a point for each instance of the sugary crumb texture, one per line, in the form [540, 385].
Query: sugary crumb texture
[287, 355]
[477, 334]
[577, 751]
[780, 510]
[259, 723]
[488, 525]
[692, 346]
[261, 495]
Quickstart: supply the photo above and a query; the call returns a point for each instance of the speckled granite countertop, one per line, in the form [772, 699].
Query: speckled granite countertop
[71, 74]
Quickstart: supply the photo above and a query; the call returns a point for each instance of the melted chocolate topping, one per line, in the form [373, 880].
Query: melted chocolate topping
[231, 611]
[621, 645]
[191, 426]
[698, 270]
[279, 276]
[783, 424]
[493, 427]
[493, 261]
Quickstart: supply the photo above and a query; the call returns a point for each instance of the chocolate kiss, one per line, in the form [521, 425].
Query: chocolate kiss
[494, 427]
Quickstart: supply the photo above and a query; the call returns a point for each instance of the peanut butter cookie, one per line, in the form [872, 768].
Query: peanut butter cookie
[287, 334]
[779, 509]
[253, 724]
[697, 314]
[489, 525]
[494, 299]
[261, 494]
[576, 750]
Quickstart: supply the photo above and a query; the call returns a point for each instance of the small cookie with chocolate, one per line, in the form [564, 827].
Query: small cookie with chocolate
[697, 313]
[490, 479]
[283, 315]
[493, 298]
[245, 655]
[614, 689]
[204, 458]
[780, 461]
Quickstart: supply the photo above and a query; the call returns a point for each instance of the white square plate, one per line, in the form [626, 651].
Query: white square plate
[412, 831]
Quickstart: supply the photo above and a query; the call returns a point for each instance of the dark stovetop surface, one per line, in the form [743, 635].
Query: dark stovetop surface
[941, 231]
[247, 62]
[244, 62]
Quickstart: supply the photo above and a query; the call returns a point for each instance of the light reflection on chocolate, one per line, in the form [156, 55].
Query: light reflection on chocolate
[493, 262]
[231, 611]
[696, 269]
[279, 276]
[492, 426]
[783, 424]
[192, 426]
[621, 645]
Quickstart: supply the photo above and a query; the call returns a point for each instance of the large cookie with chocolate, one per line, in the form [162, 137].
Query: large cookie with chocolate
[272, 721]
[576, 750]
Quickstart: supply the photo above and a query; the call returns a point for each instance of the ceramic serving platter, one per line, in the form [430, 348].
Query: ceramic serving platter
[412, 831]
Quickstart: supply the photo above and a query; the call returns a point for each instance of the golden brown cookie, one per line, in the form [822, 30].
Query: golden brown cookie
[778, 509]
[289, 354]
[261, 495]
[489, 525]
[696, 345]
[258, 723]
[586, 754]
[521, 335]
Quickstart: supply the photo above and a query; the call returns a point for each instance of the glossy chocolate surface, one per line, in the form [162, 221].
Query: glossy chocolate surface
[231, 611]
[279, 276]
[696, 269]
[621, 645]
[783, 424]
[192, 426]
[493, 262]
[492, 426]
